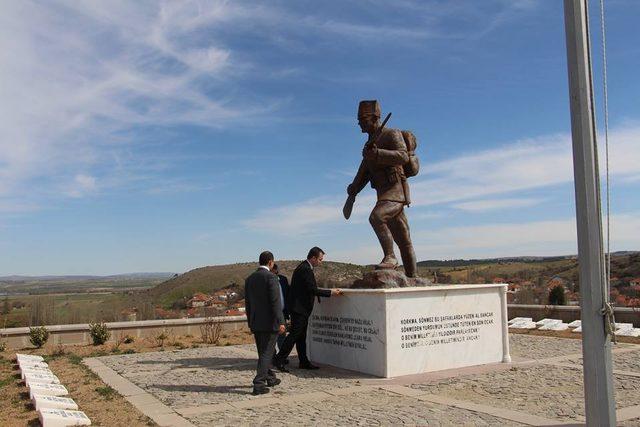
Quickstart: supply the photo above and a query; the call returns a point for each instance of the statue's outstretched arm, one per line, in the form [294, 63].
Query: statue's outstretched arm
[360, 181]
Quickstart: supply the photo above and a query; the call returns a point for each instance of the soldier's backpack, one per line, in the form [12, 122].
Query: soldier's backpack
[412, 167]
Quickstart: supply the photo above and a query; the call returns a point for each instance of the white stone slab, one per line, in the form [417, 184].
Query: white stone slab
[62, 418]
[34, 377]
[524, 324]
[632, 332]
[54, 402]
[34, 370]
[32, 357]
[578, 329]
[554, 327]
[394, 332]
[47, 390]
[575, 324]
[544, 322]
[32, 364]
[520, 320]
[623, 326]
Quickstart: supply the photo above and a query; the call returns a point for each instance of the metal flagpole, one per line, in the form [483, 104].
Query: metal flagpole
[596, 342]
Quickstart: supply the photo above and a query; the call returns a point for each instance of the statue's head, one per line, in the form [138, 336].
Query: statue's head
[368, 115]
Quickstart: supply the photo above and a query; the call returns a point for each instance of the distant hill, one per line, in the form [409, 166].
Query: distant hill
[212, 278]
[336, 274]
[84, 278]
[12, 285]
[525, 259]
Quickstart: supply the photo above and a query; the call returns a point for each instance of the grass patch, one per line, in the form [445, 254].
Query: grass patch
[107, 392]
[74, 359]
[5, 382]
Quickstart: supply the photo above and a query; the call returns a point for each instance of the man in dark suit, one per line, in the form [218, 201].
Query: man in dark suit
[264, 315]
[284, 293]
[302, 295]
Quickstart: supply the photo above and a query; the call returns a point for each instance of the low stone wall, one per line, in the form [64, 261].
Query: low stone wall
[568, 313]
[79, 334]
[17, 338]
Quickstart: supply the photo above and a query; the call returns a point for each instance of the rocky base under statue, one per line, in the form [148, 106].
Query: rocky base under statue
[387, 279]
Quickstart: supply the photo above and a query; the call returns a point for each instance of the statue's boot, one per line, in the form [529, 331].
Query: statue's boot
[386, 242]
[399, 228]
[409, 260]
[388, 262]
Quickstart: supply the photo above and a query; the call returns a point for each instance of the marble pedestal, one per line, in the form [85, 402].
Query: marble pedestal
[403, 331]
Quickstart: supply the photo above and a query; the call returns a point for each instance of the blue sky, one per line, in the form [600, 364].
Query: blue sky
[164, 136]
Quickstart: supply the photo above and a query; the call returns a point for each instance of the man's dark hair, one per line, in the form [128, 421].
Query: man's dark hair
[275, 267]
[265, 257]
[314, 252]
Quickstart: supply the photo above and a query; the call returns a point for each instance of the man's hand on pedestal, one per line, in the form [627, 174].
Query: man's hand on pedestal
[336, 292]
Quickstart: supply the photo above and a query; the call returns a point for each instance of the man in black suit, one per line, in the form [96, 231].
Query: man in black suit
[284, 293]
[264, 315]
[302, 295]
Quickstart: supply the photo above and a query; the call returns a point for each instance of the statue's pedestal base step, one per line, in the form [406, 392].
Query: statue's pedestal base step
[404, 331]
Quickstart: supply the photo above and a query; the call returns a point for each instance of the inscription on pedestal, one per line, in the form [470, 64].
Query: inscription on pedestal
[423, 331]
[349, 332]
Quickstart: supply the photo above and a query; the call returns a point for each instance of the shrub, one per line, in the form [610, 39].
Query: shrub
[99, 333]
[38, 336]
[161, 338]
[3, 346]
[556, 295]
[211, 330]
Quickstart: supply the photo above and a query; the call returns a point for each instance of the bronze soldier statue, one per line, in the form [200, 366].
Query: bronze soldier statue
[385, 156]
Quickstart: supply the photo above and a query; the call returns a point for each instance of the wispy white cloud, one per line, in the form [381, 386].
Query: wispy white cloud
[535, 238]
[82, 184]
[495, 204]
[299, 218]
[75, 76]
[478, 181]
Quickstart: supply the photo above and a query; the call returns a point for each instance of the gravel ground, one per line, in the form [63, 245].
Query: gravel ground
[629, 361]
[363, 409]
[215, 375]
[205, 376]
[547, 391]
[537, 347]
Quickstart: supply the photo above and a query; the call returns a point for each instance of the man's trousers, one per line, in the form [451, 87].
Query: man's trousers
[266, 345]
[297, 336]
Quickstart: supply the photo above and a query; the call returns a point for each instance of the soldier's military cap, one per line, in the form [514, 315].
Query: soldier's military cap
[369, 108]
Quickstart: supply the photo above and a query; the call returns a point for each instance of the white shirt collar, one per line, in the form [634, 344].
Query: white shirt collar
[265, 267]
[311, 265]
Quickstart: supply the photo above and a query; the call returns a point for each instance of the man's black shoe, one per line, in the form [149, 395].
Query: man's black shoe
[262, 390]
[273, 383]
[308, 366]
[279, 365]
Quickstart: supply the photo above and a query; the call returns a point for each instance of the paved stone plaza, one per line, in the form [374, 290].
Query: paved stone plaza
[212, 386]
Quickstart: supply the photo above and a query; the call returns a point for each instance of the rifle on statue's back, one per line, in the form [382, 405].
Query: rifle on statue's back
[371, 143]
